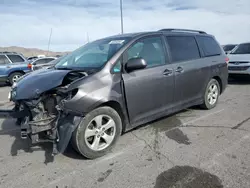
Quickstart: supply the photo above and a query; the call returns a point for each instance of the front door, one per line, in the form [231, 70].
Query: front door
[149, 92]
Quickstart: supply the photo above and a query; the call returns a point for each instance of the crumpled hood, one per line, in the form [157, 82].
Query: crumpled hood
[239, 57]
[37, 82]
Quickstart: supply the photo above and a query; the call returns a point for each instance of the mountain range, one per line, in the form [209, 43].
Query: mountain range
[28, 52]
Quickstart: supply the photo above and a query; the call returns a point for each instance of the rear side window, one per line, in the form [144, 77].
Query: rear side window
[183, 48]
[47, 60]
[209, 46]
[40, 61]
[3, 60]
[15, 58]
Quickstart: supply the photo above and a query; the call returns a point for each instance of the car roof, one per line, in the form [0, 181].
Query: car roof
[10, 53]
[245, 43]
[45, 58]
[165, 31]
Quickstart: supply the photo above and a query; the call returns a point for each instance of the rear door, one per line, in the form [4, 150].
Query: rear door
[190, 72]
[148, 92]
[213, 57]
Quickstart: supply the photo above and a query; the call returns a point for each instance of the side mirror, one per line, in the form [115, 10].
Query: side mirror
[34, 63]
[135, 64]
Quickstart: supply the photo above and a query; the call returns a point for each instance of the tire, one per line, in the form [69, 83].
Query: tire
[13, 76]
[207, 104]
[86, 147]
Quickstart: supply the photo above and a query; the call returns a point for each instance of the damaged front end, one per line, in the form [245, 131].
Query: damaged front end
[42, 117]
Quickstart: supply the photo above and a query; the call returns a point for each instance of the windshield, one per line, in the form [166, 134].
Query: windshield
[228, 47]
[242, 49]
[93, 55]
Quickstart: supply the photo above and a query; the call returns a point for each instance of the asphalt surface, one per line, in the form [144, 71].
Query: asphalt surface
[193, 148]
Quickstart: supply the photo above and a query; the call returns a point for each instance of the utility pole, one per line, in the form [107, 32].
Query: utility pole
[49, 41]
[121, 16]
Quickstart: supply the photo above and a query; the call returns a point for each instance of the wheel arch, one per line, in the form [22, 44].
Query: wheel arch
[16, 71]
[218, 79]
[118, 108]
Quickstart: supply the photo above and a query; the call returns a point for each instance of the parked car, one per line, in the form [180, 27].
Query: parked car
[41, 62]
[229, 47]
[115, 84]
[12, 67]
[239, 63]
[32, 58]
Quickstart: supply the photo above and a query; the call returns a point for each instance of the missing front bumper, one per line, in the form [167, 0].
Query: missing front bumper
[12, 113]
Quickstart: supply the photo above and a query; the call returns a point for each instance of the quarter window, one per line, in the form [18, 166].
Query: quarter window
[183, 48]
[117, 67]
[3, 60]
[150, 49]
[15, 58]
[209, 46]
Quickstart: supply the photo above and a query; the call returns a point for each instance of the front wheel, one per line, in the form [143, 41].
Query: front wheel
[97, 133]
[211, 94]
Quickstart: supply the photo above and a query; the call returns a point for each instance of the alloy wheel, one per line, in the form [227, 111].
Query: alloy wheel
[213, 93]
[100, 132]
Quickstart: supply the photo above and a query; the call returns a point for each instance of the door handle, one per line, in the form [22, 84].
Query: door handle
[167, 72]
[179, 70]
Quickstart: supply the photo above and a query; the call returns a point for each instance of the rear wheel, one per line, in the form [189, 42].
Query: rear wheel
[14, 77]
[97, 133]
[211, 94]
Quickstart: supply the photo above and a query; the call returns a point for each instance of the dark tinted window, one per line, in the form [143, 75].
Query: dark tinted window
[40, 61]
[47, 60]
[228, 47]
[3, 60]
[209, 46]
[183, 48]
[242, 49]
[150, 49]
[15, 58]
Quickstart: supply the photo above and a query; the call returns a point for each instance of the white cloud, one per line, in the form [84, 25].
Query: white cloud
[28, 23]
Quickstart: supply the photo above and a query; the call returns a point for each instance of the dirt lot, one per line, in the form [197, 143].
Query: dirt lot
[193, 148]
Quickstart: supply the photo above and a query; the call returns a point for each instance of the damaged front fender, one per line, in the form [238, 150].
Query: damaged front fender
[37, 82]
[66, 127]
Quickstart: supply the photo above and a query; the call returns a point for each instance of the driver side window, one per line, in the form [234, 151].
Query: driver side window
[150, 49]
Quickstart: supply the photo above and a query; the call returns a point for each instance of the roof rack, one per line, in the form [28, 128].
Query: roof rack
[8, 52]
[183, 30]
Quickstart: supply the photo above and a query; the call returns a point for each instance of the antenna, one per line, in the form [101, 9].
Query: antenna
[87, 37]
[49, 41]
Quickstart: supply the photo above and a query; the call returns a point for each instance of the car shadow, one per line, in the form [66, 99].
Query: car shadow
[239, 80]
[9, 128]
[4, 84]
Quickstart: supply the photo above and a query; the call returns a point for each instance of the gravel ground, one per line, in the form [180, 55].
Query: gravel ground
[193, 148]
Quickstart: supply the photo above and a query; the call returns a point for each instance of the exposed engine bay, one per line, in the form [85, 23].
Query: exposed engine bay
[43, 119]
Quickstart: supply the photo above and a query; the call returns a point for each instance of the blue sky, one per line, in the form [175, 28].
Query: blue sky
[27, 23]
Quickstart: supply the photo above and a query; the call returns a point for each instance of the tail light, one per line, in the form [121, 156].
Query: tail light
[30, 66]
[227, 60]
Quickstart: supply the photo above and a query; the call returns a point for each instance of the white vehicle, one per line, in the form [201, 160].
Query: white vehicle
[239, 60]
[41, 62]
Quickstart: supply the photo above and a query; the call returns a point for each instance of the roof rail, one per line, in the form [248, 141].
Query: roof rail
[8, 52]
[183, 30]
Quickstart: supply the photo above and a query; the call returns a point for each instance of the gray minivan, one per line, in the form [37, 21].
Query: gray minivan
[114, 84]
